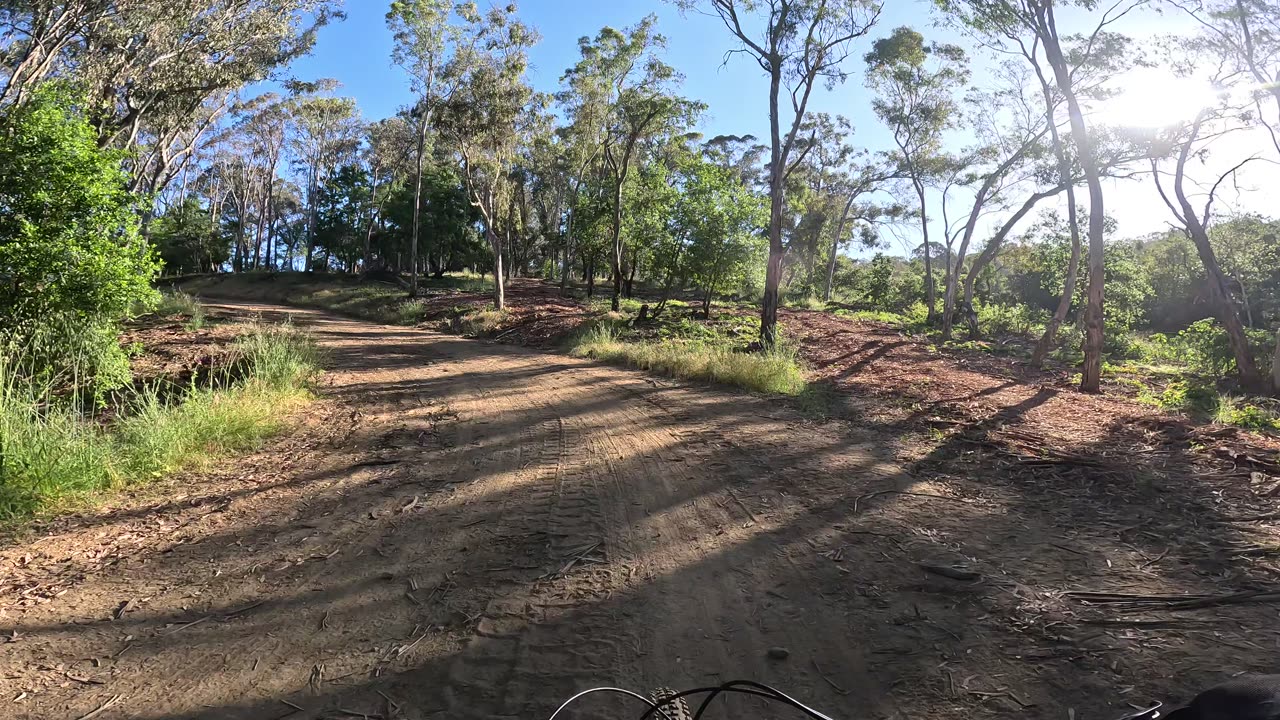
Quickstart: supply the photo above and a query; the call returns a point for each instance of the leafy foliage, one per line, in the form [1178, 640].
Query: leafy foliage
[71, 256]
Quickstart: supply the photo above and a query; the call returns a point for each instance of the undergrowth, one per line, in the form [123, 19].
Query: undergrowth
[56, 452]
[776, 371]
[181, 304]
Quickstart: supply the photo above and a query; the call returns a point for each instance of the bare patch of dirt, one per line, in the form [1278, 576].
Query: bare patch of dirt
[464, 529]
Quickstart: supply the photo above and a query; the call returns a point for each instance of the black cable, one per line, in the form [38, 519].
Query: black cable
[743, 687]
[671, 699]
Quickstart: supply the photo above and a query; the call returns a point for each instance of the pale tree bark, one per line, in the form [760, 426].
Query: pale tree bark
[1197, 229]
[417, 204]
[1073, 223]
[955, 266]
[823, 47]
[835, 247]
[1275, 366]
[1050, 336]
[993, 248]
[1091, 371]
[930, 291]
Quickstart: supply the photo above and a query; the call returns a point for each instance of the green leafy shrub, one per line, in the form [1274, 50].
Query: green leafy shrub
[1014, 319]
[1188, 396]
[1232, 411]
[1208, 348]
[73, 261]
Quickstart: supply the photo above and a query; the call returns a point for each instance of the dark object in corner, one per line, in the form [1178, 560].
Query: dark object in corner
[1248, 697]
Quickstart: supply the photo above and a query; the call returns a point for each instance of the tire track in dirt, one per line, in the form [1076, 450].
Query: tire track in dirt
[510, 527]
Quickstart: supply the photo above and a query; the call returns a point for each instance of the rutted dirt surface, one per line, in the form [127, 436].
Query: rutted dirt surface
[461, 529]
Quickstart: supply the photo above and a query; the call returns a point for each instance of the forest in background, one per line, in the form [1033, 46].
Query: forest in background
[169, 138]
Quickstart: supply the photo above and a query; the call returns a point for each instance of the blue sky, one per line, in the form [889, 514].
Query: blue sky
[357, 53]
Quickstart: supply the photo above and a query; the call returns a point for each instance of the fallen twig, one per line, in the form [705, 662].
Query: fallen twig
[180, 628]
[950, 572]
[1255, 518]
[1151, 623]
[858, 501]
[103, 707]
[1174, 602]
[830, 682]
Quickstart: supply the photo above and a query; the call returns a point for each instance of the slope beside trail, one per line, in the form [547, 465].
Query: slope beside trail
[460, 529]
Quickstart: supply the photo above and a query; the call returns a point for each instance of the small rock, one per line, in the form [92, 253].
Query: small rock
[779, 653]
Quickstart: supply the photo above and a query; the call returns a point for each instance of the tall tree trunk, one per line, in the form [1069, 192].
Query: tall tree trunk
[499, 299]
[1219, 289]
[930, 292]
[773, 270]
[993, 248]
[631, 272]
[616, 257]
[1091, 371]
[835, 248]
[1244, 299]
[1050, 335]
[568, 237]
[1275, 366]
[417, 206]
[1073, 223]
[368, 234]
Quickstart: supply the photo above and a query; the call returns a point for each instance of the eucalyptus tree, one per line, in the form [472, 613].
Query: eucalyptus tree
[719, 219]
[627, 93]
[915, 83]
[481, 118]
[1010, 129]
[743, 154]
[327, 134]
[827, 153]
[156, 74]
[800, 43]
[430, 36]
[861, 211]
[1191, 202]
[264, 128]
[1034, 24]
[387, 144]
[1243, 36]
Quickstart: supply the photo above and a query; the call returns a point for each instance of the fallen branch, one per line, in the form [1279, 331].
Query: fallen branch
[858, 501]
[1175, 602]
[103, 707]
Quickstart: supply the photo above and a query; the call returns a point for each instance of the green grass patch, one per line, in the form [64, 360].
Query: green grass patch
[176, 303]
[54, 453]
[774, 372]
[478, 323]
[810, 302]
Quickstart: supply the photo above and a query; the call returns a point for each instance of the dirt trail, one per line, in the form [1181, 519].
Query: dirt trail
[461, 529]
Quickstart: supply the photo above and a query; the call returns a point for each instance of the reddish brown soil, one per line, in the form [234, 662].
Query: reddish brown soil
[173, 353]
[463, 529]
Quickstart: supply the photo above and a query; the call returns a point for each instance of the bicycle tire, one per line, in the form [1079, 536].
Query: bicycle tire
[677, 709]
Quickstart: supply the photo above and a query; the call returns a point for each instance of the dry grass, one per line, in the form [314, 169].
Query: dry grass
[775, 372]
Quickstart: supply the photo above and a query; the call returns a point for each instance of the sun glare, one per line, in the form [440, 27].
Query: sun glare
[1154, 98]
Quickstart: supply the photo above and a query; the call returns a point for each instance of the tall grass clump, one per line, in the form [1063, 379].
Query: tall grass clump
[55, 452]
[776, 371]
[181, 304]
[475, 323]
